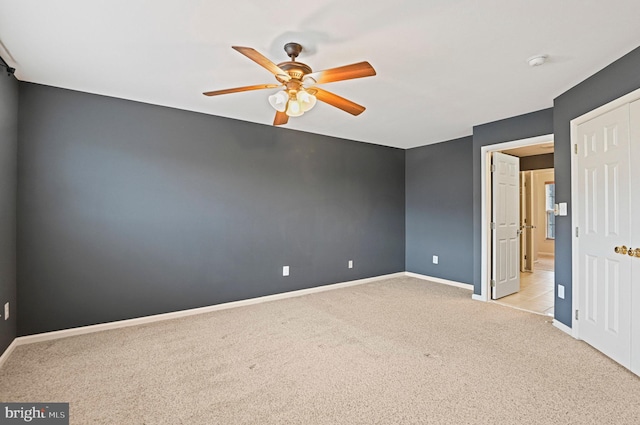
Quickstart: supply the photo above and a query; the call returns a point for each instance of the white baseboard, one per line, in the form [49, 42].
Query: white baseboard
[564, 328]
[47, 336]
[5, 356]
[477, 297]
[439, 280]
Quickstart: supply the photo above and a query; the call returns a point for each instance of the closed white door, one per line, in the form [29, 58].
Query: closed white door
[505, 271]
[604, 275]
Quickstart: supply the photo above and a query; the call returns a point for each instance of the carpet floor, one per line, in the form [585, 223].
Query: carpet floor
[397, 351]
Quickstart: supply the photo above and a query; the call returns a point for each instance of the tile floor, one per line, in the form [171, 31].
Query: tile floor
[536, 289]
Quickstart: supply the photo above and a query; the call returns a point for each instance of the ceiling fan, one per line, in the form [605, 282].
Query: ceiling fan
[299, 93]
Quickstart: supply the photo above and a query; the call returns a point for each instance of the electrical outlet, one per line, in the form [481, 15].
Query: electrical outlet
[561, 291]
[6, 311]
[285, 270]
[435, 259]
[350, 264]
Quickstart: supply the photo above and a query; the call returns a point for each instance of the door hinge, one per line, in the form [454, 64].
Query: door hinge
[577, 232]
[576, 314]
[525, 257]
[575, 149]
[493, 283]
[493, 226]
[493, 168]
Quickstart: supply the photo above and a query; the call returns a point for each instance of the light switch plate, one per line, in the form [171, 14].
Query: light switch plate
[561, 291]
[285, 270]
[562, 206]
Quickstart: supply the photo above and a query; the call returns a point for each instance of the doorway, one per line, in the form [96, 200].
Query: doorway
[537, 238]
[537, 225]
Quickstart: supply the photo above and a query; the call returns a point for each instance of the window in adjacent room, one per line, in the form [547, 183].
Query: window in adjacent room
[550, 200]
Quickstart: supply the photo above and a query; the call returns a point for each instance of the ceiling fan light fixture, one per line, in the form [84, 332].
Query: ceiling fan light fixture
[293, 103]
[279, 100]
[307, 101]
[294, 109]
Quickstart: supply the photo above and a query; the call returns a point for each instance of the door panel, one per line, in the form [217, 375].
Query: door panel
[506, 216]
[611, 203]
[612, 295]
[604, 223]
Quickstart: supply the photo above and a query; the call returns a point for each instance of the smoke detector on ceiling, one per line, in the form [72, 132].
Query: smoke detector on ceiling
[537, 60]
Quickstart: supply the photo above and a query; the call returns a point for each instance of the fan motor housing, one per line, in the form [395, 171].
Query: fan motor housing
[296, 70]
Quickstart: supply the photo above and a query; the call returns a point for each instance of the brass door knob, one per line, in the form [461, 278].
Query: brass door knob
[634, 252]
[620, 250]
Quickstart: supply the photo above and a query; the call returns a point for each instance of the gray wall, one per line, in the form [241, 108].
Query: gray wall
[8, 147]
[614, 81]
[129, 209]
[439, 205]
[516, 128]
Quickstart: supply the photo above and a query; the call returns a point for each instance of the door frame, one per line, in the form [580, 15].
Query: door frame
[486, 153]
[575, 214]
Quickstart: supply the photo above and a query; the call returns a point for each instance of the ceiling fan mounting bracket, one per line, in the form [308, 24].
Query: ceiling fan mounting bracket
[293, 50]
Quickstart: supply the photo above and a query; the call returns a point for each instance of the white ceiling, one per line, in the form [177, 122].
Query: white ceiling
[443, 65]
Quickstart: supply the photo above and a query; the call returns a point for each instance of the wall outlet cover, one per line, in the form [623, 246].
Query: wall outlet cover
[285, 270]
[6, 311]
[435, 259]
[561, 291]
[350, 264]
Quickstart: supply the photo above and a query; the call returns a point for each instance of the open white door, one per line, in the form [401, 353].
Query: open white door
[505, 211]
[604, 273]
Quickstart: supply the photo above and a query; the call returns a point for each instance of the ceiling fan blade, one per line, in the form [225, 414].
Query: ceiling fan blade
[347, 72]
[281, 118]
[261, 60]
[239, 89]
[337, 101]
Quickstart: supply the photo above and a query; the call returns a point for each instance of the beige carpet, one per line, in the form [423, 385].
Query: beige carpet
[399, 351]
